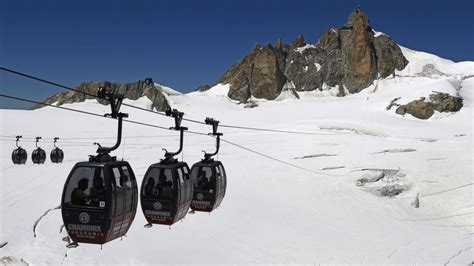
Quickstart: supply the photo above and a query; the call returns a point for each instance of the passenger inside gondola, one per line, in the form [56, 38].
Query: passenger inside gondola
[150, 187]
[165, 185]
[79, 195]
[203, 181]
[97, 192]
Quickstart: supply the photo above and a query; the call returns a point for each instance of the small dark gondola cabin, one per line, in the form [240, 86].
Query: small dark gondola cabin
[56, 155]
[39, 155]
[210, 182]
[19, 155]
[209, 177]
[166, 193]
[99, 201]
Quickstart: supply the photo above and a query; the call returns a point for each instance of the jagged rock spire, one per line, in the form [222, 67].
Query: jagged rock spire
[298, 42]
[279, 45]
[357, 17]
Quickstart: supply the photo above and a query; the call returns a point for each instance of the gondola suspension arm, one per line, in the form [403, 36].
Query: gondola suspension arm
[178, 118]
[214, 124]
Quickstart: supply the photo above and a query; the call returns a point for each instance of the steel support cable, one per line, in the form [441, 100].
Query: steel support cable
[25, 139]
[79, 111]
[44, 81]
[276, 159]
[160, 127]
[156, 112]
[439, 218]
[438, 192]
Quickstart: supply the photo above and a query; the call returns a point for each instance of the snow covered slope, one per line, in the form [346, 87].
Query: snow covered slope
[272, 213]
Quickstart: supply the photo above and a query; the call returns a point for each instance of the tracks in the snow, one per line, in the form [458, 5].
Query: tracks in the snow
[41, 217]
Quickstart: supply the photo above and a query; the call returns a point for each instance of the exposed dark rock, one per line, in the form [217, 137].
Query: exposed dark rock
[203, 88]
[279, 45]
[401, 110]
[416, 202]
[417, 108]
[349, 57]
[392, 190]
[360, 62]
[443, 102]
[298, 42]
[393, 103]
[389, 56]
[131, 91]
[259, 74]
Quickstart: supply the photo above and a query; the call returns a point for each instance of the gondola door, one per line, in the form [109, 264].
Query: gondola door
[204, 187]
[221, 184]
[124, 198]
[185, 191]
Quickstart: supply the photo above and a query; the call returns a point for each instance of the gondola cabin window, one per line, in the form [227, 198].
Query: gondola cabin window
[180, 176]
[119, 191]
[189, 191]
[223, 181]
[159, 184]
[128, 188]
[165, 185]
[86, 188]
[202, 176]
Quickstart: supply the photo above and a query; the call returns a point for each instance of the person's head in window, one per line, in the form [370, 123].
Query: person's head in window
[98, 182]
[151, 181]
[79, 196]
[83, 184]
[202, 174]
[150, 185]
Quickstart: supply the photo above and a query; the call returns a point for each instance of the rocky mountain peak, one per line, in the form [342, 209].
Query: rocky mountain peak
[350, 57]
[299, 42]
[357, 18]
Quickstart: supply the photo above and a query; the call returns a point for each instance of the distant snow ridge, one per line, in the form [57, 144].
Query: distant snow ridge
[156, 93]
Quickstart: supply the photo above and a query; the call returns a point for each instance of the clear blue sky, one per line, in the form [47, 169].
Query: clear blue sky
[184, 44]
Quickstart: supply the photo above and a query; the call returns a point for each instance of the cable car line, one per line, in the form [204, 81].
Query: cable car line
[44, 81]
[157, 112]
[277, 160]
[439, 218]
[438, 192]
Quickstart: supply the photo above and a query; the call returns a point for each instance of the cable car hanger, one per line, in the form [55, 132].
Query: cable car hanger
[178, 118]
[215, 124]
[55, 140]
[37, 139]
[18, 139]
[115, 100]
